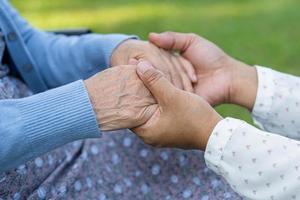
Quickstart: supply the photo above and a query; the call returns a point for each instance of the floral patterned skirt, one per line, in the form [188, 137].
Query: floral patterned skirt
[117, 166]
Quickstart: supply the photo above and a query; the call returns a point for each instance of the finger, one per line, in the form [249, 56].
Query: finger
[159, 61]
[172, 40]
[173, 70]
[154, 80]
[147, 113]
[186, 82]
[133, 61]
[189, 69]
[150, 124]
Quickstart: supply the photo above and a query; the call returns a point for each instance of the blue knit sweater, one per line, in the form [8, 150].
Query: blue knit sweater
[51, 118]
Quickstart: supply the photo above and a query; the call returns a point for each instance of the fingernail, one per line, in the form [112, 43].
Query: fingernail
[152, 34]
[133, 61]
[194, 77]
[143, 66]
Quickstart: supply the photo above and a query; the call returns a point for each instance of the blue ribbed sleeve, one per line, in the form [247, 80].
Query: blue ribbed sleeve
[35, 125]
[59, 59]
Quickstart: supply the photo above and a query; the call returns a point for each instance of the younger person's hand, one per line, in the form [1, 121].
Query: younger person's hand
[177, 69]
[182, 120]
[221, 78]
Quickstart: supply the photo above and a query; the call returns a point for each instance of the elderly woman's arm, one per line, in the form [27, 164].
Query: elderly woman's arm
[35, 125]
[60, 59]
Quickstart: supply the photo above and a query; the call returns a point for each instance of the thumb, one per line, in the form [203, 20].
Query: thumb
[154, 80]
[172, 40]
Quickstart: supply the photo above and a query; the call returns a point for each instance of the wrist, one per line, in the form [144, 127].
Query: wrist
[102, 106]
[244, 83]
[105, 115]
[211, 121]
[90, 87]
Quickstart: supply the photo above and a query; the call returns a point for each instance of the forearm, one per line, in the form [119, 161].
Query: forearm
[59, 59]
[257, 164]
[35, 125]
[62, 59]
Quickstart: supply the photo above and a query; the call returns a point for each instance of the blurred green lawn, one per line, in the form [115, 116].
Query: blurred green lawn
[264, 32]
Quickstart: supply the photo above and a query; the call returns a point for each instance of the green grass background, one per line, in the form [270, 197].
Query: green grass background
[264, 32]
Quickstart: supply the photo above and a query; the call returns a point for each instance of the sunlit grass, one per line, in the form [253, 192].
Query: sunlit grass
[104, 18]
[265, 32]
[110, 16]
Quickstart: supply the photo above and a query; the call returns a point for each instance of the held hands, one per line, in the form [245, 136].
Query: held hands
[119, 98]
[221, 78]
[182, 119]
[175, 118]
[185, 120]
[177, 69]
[171, 117]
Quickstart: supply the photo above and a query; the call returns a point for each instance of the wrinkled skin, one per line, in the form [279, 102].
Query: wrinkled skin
[178, 70]
[119, 98]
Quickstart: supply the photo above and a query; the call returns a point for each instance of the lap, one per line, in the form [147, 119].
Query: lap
[117, 166]
[121, 166]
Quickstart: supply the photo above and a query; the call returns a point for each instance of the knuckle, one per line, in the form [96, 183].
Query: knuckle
[169, 32]
[192, 35]
[152, 76]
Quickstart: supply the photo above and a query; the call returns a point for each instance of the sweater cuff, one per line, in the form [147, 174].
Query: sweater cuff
[217, 142]
[58, 116]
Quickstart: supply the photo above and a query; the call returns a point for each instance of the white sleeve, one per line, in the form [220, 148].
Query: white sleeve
[257, 164]
[277, 105]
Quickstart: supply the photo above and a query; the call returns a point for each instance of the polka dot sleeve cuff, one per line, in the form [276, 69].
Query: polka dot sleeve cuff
[217, 142]
[257, 164]
[265, 91]
[277, 105]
